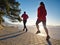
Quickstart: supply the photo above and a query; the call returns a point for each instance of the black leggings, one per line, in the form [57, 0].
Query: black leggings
[24, 22]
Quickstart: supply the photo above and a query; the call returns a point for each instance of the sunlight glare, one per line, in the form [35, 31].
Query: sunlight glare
[41, 34]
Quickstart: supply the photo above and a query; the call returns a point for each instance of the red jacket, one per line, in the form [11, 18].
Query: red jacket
[24, 16]
[42, 13]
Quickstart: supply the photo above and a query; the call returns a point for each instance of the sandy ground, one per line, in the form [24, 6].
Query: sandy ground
[11, 35]
[54, 31]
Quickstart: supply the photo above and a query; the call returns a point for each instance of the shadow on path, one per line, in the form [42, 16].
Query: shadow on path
[13, 36]
[10, 34]
[49, 42]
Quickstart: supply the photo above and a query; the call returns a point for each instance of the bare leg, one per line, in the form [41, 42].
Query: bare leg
[37, 27]
[37, 22]
[46, 30]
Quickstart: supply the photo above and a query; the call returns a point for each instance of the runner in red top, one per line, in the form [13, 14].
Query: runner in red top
[25, 17]
[41, 17]
[42, 13]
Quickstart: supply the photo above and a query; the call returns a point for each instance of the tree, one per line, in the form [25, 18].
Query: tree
[9, 8]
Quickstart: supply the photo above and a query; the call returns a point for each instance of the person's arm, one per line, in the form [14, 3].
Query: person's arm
[38, 12]
[22, 16]
[27, 16]
[45, 12]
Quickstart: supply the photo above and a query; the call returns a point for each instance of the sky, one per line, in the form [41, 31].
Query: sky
[31, 6]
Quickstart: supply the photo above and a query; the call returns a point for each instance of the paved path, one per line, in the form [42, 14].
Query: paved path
[19, 37]
[26, 38]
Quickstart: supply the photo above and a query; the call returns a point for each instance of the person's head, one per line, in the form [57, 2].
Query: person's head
[24, 12]
[42, 3]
